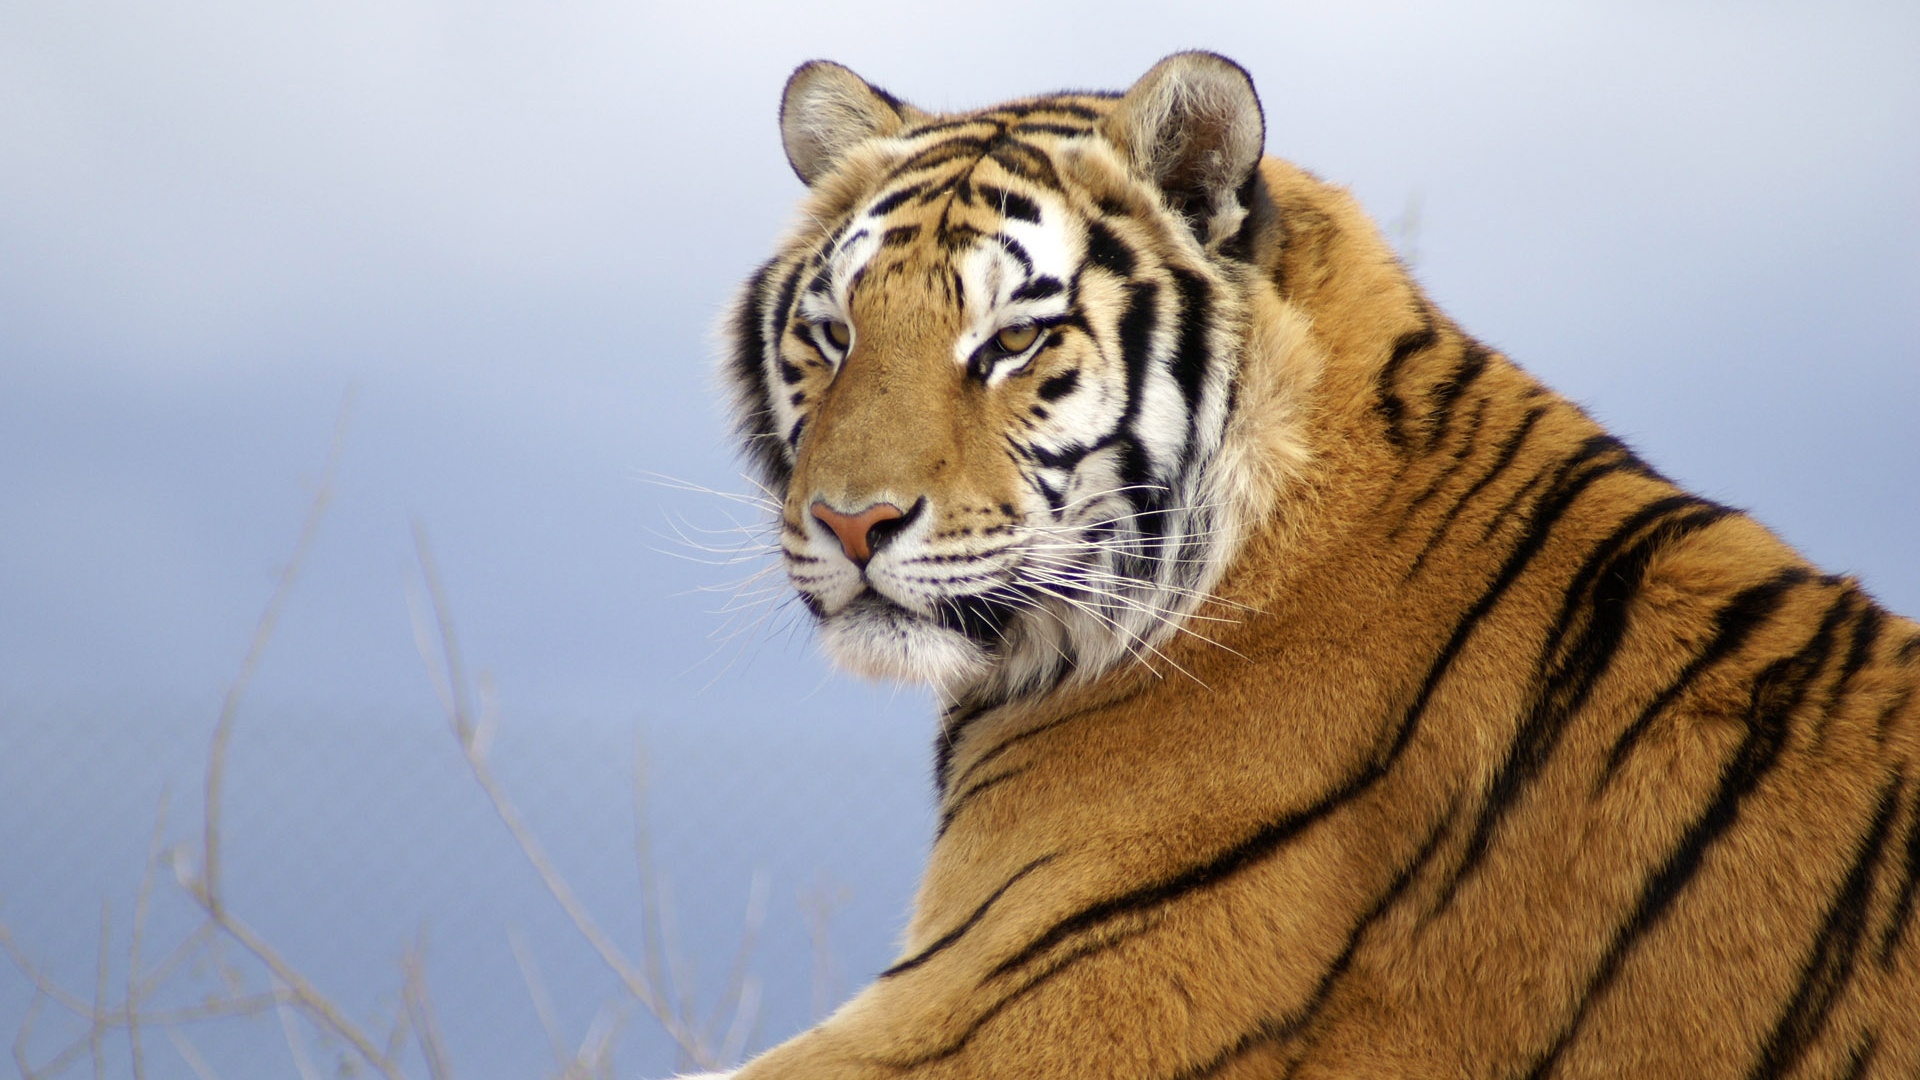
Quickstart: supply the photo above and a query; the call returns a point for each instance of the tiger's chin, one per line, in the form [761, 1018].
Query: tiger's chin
[879, 639]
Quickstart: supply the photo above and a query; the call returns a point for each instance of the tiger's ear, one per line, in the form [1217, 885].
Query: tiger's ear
[828, 110]
[1193, 126]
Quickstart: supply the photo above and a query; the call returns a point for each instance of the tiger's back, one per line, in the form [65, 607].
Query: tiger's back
[1434, 732]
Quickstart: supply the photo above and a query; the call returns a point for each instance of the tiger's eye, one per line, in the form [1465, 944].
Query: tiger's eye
[1017, 338]
[839, 332]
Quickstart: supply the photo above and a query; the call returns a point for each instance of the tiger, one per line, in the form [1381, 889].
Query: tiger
[1320, 695]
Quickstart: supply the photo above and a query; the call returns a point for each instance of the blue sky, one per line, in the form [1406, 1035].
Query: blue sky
[506, 230]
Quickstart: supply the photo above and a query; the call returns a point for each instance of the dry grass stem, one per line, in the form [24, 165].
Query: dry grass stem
[191, 1055]
[662, 990]
[290, 1027]
[537, 992]
[426, 1025]
[223, 951]
[256, 649]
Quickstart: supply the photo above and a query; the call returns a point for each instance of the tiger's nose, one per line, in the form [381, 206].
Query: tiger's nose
[862, 533]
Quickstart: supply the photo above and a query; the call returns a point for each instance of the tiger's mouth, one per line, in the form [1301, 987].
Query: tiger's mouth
[981, 618]
[876, 636]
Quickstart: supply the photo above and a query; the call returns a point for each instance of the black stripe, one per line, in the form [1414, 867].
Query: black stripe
[1391, 406]
[1038, 288]
[958, 148]
[749, 360]
[953, 808]
[1567, 681]
[1860, 1058]
[782, 314]
[1776, 693]
[1058, 386]
[1473, 363]
[1499, 517]
[1149, 519]
[892, 202]
[1010, 204]
[1026, 127]
[1015, 250]
[1456, 461]
[1901, 915]
[1732, 625]
[1066, 108]
[899, 236]
[1011, 741]
[1191, 355]
[822, 282]
[1270, 837]
[1026, 161]
[1108, 252]
[1406, 876]
[1081, 952]
[1276, 1029]
[1883, 724]
[947, 939]
[1056, 500]
[1509, 451]
[1866, 631]
[1137, 323]
[1066, 458]
[892, 102]
[1268, 1031]
[1866, 636]
[952, 725]
[1829, 964]
[982, 618]
[976, 120]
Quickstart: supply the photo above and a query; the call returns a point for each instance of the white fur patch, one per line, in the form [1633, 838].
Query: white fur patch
[884, 642]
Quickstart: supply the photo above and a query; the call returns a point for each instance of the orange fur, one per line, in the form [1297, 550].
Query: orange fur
[1492, 753]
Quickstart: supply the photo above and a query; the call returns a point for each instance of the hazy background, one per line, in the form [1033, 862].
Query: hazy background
[509, 227]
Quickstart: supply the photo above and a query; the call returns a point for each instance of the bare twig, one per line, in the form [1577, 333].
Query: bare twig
[141, 897]
[25, 1033]
[95, 1044]
[595, 1056]
[537, 991]
[191, 1054]
[296, 1046]
[426, 1025]
[256, 649]
[310, 1000]
[818, 904]
[449, 678]
[742, 987]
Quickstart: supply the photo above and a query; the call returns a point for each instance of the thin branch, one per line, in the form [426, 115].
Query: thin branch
[537, 991]
[449, 677]
[310, 999]
[296, 1046]
[140, 900]
[256, 649]
[95, 1044]
[25, 1034]
[191, 1054]
[740, 986]
[426, 1026]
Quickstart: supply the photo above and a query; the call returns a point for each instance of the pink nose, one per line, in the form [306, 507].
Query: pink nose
[854, 529]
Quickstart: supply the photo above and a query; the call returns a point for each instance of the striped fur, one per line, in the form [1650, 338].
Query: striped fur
[1323, 695]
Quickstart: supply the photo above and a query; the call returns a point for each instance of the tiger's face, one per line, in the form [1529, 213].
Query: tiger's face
[988, 377]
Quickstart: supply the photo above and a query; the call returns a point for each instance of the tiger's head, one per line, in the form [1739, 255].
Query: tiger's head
[992, 372]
